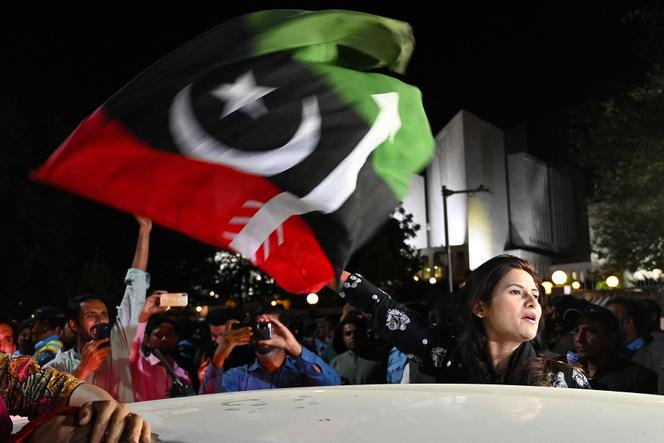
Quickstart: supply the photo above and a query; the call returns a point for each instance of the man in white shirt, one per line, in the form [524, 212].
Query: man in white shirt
[105, 362]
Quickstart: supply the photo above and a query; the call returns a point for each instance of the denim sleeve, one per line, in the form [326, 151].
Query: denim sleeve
[396, 363]
[305, 363]
[212, 380]
[232, 380]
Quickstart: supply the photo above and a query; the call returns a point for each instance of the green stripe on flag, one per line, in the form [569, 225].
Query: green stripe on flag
[395, 161]
[338, 45]
[353, 39]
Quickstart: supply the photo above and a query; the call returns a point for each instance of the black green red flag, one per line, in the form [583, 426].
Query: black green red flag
[269, 135]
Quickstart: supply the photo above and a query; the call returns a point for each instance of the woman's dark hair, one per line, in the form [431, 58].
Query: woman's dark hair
[478, 287]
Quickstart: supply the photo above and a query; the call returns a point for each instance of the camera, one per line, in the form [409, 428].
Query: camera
[103, 330]
[262, 329]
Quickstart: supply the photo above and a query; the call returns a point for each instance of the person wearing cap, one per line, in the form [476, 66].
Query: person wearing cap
[597, 343]
[46, 326]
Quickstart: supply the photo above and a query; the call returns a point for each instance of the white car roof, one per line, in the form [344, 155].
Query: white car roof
[409, 413]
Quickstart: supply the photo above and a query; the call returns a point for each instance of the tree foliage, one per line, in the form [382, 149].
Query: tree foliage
[387, 259]
[621, 142]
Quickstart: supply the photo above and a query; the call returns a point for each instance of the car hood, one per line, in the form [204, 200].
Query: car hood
[400, 413]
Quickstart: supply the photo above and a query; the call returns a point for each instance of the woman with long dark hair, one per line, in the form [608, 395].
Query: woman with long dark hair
[484, 331]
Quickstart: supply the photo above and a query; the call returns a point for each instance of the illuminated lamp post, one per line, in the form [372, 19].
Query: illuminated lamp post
[612, 281]
[312, 298]
[559, 277]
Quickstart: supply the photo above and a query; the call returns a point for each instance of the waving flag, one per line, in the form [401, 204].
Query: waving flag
[266, 136]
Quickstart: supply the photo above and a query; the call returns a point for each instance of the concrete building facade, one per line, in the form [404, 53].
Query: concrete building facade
[531, 210]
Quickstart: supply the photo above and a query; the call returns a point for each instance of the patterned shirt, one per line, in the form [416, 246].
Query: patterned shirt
[29, 390]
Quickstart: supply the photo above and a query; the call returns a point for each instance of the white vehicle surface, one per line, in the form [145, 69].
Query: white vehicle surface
[409, 413]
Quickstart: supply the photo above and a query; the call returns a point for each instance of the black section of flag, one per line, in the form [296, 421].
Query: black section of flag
[362, 214]
[147, 115]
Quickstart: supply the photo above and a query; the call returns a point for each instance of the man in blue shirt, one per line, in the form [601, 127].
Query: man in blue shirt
[281, 362]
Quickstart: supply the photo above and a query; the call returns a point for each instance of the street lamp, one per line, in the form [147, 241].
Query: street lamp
[612, 281]
[559, 277]
[312, 298]
[446, 193]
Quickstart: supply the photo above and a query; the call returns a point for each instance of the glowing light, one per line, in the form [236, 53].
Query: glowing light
[211, 293]
[416, 277]
[433, 280]
[612, 281]
[312, 298]
[273, 303]
[548, 287]
[559, 277]
[576, 285]
[199, 308]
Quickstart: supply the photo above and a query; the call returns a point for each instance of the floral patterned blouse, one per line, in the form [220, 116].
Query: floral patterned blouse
[29, 390]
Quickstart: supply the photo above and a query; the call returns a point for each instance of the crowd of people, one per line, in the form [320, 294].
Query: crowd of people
[489, 331]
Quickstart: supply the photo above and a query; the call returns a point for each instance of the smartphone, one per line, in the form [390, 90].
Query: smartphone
[103, 330]
[176, 299]
[262, 329]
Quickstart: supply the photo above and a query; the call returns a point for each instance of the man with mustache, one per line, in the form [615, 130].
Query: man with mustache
[281, 361]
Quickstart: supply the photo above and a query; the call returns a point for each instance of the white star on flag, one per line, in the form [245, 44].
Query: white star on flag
[243, 95]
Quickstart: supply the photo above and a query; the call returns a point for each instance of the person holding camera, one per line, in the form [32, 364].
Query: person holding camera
[281, 361]
[101, 353]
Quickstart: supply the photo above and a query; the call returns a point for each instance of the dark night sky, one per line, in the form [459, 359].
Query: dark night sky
[507, 66]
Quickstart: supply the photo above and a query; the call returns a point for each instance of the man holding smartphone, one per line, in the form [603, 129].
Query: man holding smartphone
[101, 353]
[281, 361]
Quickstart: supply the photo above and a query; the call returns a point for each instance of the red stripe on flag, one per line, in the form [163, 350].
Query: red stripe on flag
[103, 161]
